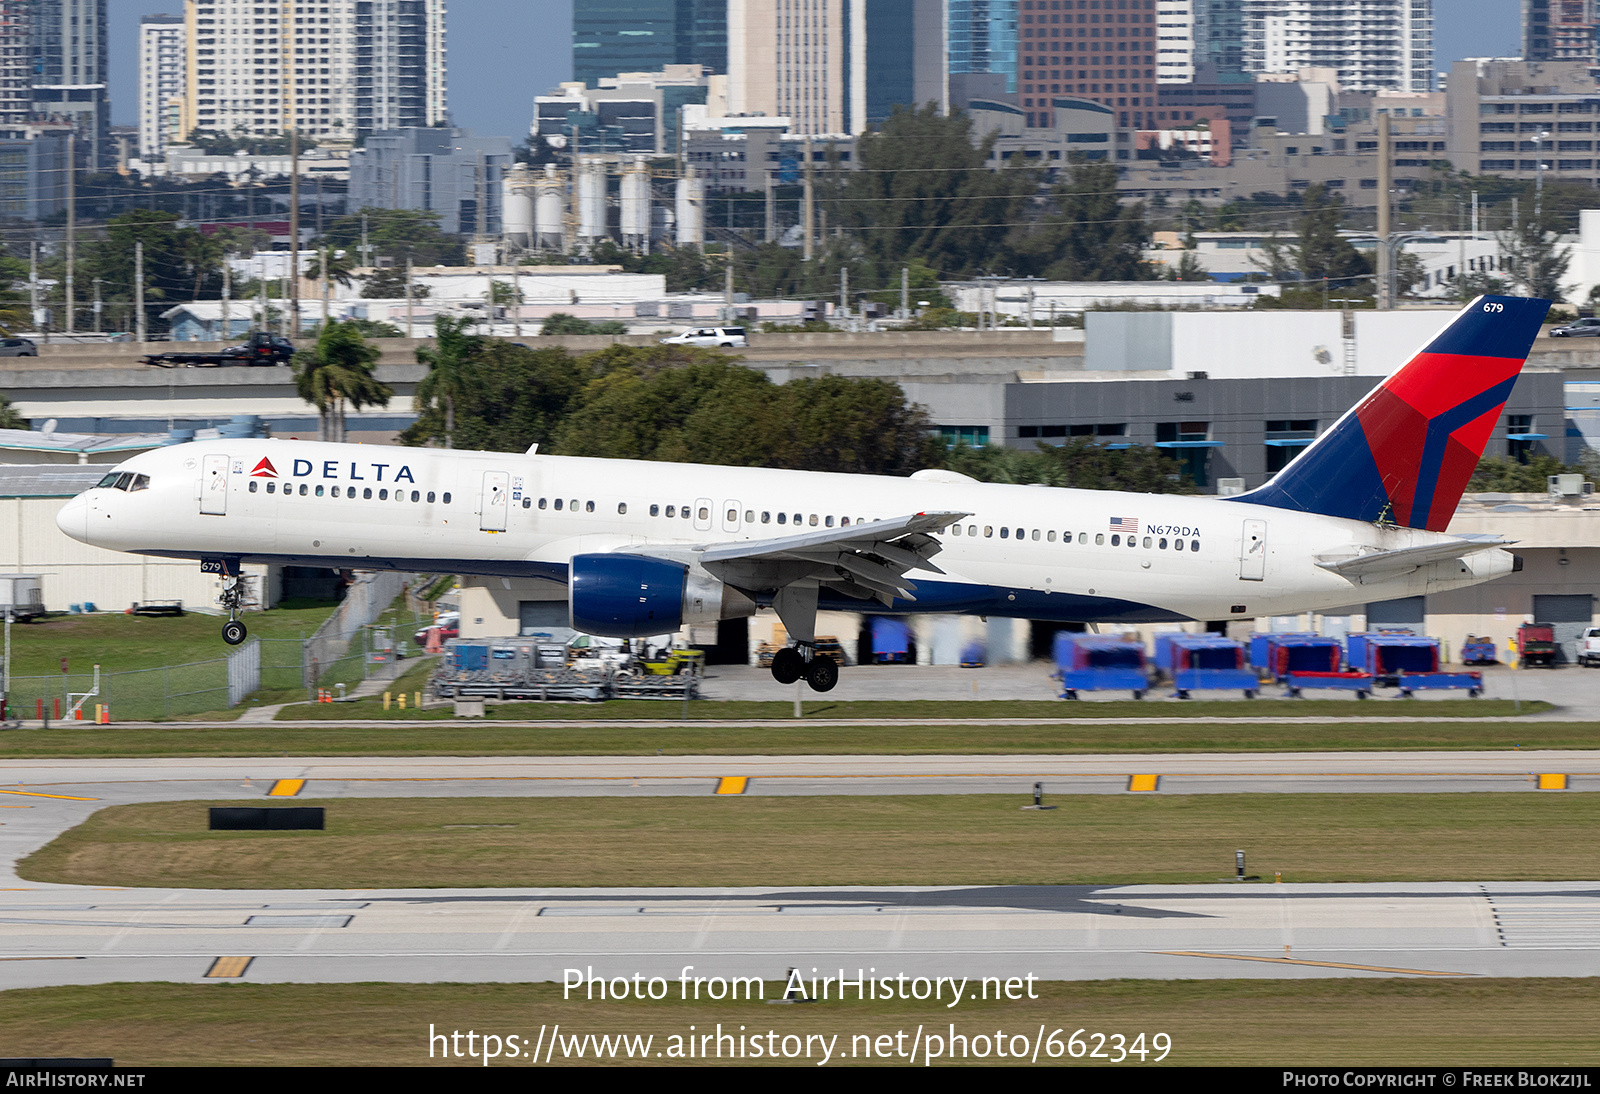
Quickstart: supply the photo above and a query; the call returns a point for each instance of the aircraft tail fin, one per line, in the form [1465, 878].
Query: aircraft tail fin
[1405, 452]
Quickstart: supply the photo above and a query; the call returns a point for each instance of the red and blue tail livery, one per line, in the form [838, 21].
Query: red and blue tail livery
[1403, 455]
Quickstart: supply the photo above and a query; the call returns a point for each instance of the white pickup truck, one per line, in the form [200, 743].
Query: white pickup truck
[1589, 647]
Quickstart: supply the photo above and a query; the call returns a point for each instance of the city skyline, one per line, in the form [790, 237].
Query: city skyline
[503, 54]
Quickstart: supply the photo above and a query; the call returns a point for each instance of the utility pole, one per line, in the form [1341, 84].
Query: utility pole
[33, 287]
[844, 291]
[294, 232]
[227, 290]
[1384, 183]
[138, 289]
[324, 271]
[409, 333]
[516, 300]
[769, 234]
[366, 251]
[72, 226]
[807, 213]
[905, 293]
[727, 290]
[99, 307]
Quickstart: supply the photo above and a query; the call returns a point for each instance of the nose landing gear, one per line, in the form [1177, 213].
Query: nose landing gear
[232, 598]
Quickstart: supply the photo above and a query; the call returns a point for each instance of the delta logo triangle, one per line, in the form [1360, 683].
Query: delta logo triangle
[264, 470]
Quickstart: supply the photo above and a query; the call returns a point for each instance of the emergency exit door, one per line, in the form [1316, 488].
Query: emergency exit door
[214, 485]
[1253, 551]
[495, 502]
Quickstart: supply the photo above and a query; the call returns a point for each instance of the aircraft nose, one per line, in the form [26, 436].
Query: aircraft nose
[73, 519]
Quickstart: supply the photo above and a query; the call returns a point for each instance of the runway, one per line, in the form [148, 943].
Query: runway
[55, 934]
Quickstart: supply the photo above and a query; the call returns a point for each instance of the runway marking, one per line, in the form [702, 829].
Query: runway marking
[1144, 784]
[732, 784]
[228, 968]
[286, 788]
[1314, 964]
[53, 957]
[37, 794]
[1552, 782]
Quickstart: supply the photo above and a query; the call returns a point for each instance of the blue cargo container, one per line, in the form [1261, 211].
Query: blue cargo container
[1387, 654]
[1289, 653]
[891, 640]
[470, 657]
[1092, 662]
[1207, 662]
[1261, 646]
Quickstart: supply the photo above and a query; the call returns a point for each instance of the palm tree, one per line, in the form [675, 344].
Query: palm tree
[446, 360]
[338, 370]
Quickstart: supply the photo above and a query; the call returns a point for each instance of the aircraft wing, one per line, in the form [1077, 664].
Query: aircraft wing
[1409, 558]
[866, 561]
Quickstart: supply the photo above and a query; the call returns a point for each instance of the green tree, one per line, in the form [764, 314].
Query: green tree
[1535, 257]
[9, 418]
[396, 233]
[1080, 463]
[1502, 474]
[858, 426]
[511, 397]
[453, 347]
[389, 283]
[1321, 251]
[561, 322]
[1090, 236]
[338, 371]
[179, 263]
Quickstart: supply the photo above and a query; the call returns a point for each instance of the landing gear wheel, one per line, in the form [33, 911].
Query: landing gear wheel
[233, 632]
[788, 665]
[822, 674]
[1249, 693]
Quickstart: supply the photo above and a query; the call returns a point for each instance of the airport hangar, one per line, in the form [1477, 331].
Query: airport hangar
[1195, 384]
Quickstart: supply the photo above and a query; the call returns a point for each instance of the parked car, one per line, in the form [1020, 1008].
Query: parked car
[1589, 647]
[18, 347]
[732, 337]
[1583, 328]
[449, 624]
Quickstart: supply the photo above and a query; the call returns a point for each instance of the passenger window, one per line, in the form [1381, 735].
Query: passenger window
[955, 529]
[252, 486]
[573, 507]
[383, 495]
[588, 506]
[683, 511]
[303, 490]
[813, 520]
[335, 492]
[766, 516]
[1147, 543]
[1133, 541]
[705, 513]
[559, 503]
[319, 491]
[527, 503]
[1005, 533]
[1116, 541]
[622, 507]
[972, 529]
[733, 516]
[1194, 545]
[366, 493]
[430, 497]
[1051, 538]
[447, 497]
[272, 488]
[655, 510]
[783, 518]
[1083, 537]
[1161, 545]
[988, 531]
[1177, 545]
[1020, 532]
[827, 521]
[844, 522]
[749, 516]
[1036, 535]
[417, 496]
[1100, 538]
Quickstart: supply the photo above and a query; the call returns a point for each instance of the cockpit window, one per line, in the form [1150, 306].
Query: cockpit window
[107, 482]
[140, 482]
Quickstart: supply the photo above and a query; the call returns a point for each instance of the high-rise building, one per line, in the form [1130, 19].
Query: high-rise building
[1373, 45]
[1219, 41]
[983, 39]
[68, 41]
[326, 68]
[610, 37]
[1175, 44]
[835, 66]
[1102, 50]
[450, 172]
[161, 80]
[16, 64]
[1559, 30]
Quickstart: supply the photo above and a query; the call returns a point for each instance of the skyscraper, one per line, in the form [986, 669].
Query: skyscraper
[1175, 40]
[983, 38]
[16, 63]
[835, 66]
[68, 42]
[1104, 50]
[612, 36]
[1374, 45]
[161, 82]
[1559, 30]
[327, 68]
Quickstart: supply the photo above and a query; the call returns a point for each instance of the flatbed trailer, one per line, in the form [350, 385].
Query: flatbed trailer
[261, 348]
[1359, 682]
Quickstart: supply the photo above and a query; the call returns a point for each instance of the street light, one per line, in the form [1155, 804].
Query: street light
[1398, 239]
[1538, 174]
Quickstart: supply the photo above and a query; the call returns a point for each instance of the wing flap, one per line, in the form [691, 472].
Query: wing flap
[1409, 558]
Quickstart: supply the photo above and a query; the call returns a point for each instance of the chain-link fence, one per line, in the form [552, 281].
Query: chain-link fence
[140, 695]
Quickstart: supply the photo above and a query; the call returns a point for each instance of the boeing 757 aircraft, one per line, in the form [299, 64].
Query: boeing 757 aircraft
[646, 548]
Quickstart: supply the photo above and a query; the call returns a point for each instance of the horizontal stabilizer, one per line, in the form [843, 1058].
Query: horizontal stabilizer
[1409, 558]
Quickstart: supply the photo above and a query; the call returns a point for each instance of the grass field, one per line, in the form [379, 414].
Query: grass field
[899, 840]
[475, 738]
[735, 709]
[1240, 1022]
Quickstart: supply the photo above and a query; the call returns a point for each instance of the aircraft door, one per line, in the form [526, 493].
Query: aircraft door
[1253, 551]
[702, 514]
[730, 516]
[214, 485]
[495, 502]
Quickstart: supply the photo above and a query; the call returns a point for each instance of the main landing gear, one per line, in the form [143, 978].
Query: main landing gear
[232, 598]
[794, 662]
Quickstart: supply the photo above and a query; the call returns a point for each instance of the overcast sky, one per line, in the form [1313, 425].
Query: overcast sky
[504, 52]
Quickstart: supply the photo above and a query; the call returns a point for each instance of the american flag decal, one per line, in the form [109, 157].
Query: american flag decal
[1124, 524]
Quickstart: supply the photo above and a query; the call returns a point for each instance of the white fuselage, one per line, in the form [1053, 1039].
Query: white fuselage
[1027, 551]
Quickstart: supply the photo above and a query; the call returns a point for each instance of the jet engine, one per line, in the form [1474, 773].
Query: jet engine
[633, 596]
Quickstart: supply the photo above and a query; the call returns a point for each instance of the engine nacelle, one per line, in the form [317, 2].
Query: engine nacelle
[635, 596]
